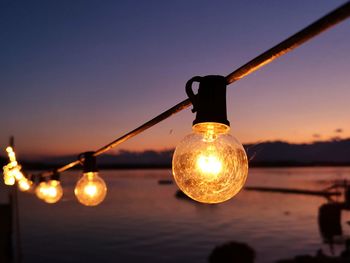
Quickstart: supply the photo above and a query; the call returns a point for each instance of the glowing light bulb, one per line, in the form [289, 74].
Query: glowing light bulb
[50, 192]
[53, 192]
[210, 165]
[24, 184]
[90, 190]
[16, 171]
[12, 172]
[9, 178]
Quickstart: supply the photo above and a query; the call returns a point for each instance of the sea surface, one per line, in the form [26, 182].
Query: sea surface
[142, 221]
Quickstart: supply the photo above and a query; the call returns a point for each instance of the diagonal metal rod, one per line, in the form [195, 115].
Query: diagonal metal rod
[319, 26]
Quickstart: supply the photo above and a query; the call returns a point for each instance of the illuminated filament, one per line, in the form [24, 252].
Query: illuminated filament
[51, 191]
[209, 164]
[9, 178]
[90, 190]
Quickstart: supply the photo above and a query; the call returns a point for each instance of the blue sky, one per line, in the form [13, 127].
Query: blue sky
[76, 74]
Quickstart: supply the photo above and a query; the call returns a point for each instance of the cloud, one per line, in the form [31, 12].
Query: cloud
[339, 130]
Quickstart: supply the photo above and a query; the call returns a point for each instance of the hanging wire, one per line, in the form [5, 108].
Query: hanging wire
[336, 16]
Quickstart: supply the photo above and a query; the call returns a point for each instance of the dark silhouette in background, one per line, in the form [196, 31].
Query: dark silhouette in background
[232, 252]
[265, 154]
[5, 233]
[329, 222]
[329, 216]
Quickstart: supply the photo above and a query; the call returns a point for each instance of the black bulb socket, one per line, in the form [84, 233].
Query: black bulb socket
[210, 101]
[89, 162]
[55, 176]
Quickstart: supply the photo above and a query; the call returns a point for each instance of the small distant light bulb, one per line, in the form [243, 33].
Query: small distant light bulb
[90, 190]
[11, 154]
[24, 184]
[53, 192]
[9, 178]
[16, 171]
[210, 165]
[12, 172]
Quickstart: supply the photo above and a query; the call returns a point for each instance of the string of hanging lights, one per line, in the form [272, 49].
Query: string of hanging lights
[209, 165]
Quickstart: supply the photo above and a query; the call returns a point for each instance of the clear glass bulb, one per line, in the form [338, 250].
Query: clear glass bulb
[90, 190]
[210, 165]
[24, 184]
[11, 154]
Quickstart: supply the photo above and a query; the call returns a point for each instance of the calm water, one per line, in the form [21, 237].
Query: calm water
[142, 221]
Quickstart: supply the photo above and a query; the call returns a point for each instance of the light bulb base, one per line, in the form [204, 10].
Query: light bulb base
[210, 101]
[89, 162]
[55, 176]
[41, 178]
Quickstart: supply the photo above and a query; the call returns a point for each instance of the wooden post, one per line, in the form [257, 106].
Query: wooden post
[6, 249]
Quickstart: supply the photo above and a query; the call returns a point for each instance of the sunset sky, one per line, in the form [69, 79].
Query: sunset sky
[74, 75]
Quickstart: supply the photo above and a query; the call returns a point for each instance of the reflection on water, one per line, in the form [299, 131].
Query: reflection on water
[142, 221]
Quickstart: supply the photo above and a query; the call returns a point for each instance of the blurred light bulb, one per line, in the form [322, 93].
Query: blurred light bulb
[210, 165]
[11, 154]
[53, 192]
[12, 172]
[24, 184]
[9, 178]
[16, 171]
[40, 190]
[90, 190]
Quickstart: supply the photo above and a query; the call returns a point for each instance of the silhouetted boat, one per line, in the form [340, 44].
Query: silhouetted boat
[165, 181]
[329, 220]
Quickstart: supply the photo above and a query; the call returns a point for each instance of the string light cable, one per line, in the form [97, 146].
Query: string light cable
[209, 165]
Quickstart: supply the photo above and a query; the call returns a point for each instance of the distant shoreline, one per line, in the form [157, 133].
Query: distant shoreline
[334, 153]
[40, 167]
